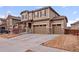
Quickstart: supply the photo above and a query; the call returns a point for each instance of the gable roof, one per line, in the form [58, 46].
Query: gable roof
[60, 18]
[2, 19]
[13, 17]
[75, 23]
[40, 9]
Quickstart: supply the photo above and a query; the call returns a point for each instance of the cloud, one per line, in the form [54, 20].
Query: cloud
[6, 14]
[2, 16]
[72, 21]
[77, 19]
[9, 12]
[75, 12]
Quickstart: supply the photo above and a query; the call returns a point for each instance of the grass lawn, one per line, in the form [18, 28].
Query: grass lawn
[65, 42]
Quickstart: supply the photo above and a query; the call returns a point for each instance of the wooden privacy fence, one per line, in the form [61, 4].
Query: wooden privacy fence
[72, 31]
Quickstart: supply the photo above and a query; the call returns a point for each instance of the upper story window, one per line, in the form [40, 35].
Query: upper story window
[36, 14]
[43, 12]
[30, 15]
[40, 13]
[22, 16]
[25, 16]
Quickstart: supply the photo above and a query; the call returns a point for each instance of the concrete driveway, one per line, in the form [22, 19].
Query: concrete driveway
[27, 42]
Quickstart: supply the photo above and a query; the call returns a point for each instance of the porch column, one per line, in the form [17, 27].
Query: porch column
[48, 27]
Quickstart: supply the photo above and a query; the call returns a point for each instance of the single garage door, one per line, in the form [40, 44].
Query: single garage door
[56, 29]
[39, 29]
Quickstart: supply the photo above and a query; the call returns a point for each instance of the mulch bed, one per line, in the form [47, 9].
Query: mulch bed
[8, 35]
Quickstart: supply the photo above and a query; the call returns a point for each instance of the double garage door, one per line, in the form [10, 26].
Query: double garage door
[56, 29]
[39, 29]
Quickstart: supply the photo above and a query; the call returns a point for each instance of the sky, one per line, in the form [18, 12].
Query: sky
[71, 12]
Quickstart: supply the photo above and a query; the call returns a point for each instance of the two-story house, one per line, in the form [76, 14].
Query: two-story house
[43, 21]
[2, 23]
[11, 22]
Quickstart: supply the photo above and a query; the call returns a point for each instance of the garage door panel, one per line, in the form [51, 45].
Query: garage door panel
[39, 29]
[56, 29]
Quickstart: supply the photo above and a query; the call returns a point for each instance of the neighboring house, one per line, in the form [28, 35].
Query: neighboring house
[2, 23]
[43, 21]
[68, 27]
[11, 22]
[75, 25]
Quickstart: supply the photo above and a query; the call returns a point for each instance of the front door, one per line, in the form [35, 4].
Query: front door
[29, 27]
